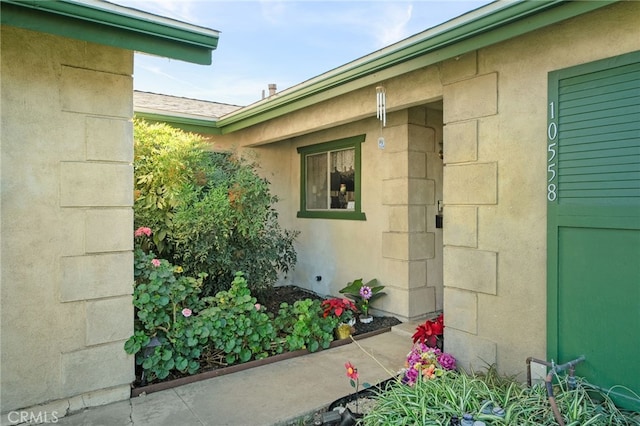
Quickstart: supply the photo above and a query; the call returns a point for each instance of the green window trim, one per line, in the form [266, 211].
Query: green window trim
[353, 142]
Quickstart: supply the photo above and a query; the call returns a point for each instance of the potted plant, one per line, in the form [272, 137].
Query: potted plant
[343, 309]
[363, 295]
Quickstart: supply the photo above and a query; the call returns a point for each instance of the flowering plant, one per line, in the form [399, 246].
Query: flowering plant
[430, 333]
[363, 294]
[426, 363]
[352, 374]
[343, 309]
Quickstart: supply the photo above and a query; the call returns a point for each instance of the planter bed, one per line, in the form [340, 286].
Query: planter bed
[155, 387]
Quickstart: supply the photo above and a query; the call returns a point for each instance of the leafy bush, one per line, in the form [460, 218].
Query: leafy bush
[165, 160]
[211, 212]
[239, 326]
[175, 327]
[305, 326]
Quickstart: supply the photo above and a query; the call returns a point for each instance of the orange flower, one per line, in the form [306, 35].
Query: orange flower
[352, 372]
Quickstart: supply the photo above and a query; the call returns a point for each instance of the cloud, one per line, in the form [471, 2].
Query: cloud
[273, 11]
[393, 25]
[182, 10]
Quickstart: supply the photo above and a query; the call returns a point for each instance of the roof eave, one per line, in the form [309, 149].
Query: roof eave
[485, 26]
[113, 25]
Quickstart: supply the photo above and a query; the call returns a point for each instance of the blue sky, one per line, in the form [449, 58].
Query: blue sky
[281, 42]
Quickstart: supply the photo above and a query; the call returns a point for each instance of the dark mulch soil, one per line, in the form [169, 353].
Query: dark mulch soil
[290, 294]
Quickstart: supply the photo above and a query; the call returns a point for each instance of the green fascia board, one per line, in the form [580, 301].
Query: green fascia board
[443, 42]
[113, 25]
[187, 124]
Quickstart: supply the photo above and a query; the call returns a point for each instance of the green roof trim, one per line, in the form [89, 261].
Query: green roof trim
[113, 25]
[482, 27]
[184, 123]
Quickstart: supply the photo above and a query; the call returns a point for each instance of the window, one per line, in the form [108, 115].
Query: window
[330, 180]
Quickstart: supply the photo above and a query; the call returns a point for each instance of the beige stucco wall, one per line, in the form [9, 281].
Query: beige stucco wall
[67, 263]
[494, 240]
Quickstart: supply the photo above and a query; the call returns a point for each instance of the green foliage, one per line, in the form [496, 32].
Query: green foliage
[228, 225]
[435, 402]
[165, 159]
[352, 290]
[238, 326]
[161, 293]
[305, 326]
[210, 212]
[169, 308]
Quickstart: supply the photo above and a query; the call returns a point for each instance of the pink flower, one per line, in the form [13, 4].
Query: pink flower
[186, 312]
[143, 230]
[258, 306]
[155, 262]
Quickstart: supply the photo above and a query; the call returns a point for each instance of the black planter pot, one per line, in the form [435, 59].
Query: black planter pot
[347, 417]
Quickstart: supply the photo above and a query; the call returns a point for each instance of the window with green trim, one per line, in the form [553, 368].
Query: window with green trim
[330, 179]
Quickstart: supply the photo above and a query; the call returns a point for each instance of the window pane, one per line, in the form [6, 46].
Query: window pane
[343, 179]
[317, 197]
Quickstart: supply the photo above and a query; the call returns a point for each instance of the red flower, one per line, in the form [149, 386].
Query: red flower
[337, 306]
[429, 332]
[352, 372]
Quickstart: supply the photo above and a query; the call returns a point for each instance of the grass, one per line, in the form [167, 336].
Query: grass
[435, 402]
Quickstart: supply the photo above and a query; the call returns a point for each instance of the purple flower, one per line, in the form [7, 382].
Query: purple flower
[447, 361]
[366, 292]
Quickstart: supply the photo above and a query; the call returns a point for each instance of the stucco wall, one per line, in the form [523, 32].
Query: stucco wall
[494, 185]
[67, 263]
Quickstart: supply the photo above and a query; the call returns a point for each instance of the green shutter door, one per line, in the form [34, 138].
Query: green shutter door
[593, 191]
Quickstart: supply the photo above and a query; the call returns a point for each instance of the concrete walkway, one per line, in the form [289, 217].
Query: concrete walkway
[272, 394]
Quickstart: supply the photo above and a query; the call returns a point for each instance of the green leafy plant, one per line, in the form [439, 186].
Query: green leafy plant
[165, 159]
[164, 301]
[211, 212]
[239, 326]
[304, 325]
[363, 294]
[433, 402]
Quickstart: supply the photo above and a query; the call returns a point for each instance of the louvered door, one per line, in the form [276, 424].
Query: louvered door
[593, 192]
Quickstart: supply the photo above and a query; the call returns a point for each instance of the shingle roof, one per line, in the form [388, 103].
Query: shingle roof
[174, 105]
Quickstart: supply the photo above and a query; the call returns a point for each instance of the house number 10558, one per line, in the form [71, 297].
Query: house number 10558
[552, 134]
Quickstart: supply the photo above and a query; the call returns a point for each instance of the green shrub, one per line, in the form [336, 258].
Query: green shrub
[304, 325]
[210, 212]
[238, 325]
[165, 160]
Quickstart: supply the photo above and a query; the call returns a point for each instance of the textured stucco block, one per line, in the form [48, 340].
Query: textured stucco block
[92, 92]
[94, 368]
[421, 139]
[460, 226]
[473, 353]
[460, 67]
[96, 184]
[109, 139]
[109, 320]
[408, 246]
[462, 309]
[405, 163]
[96, 276]
[422, 301]
[406, 274]
[395, 137]
[471, 184]
[461, 142]
[473, 98]
[408, 191]
[469, 269]
[407, 218]
[109, 230]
